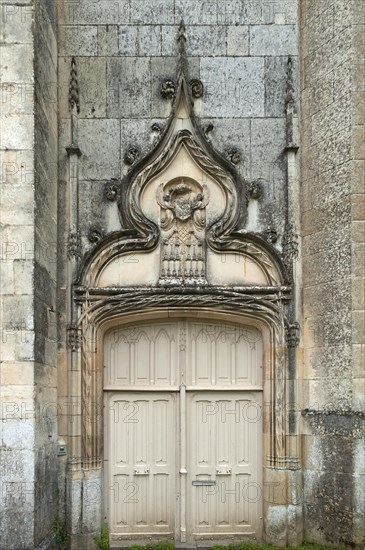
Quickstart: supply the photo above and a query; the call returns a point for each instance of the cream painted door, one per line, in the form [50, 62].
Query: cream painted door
[142, 447]
[184, 430]
[224, 467]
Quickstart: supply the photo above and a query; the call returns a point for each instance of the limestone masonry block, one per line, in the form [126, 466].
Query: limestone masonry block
[234, 87]
[80, 40]
[280, 39]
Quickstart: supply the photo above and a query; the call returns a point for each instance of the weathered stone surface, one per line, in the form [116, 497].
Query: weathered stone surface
[91, 78]
[100, 143]
[266, 156]
[80, 41]
[266, 39]
[128, 96]
[139, 41]
[154, 12]
[107, 40]
[16, 63]
[234, 87]
[15, 27]
[17, 132]
[275, 85]
[99, 12]
[233, 134]
[17, 167]
[201, 41]
[237, 41]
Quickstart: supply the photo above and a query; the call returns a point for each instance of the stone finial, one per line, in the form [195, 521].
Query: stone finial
[181, 37]
[289, 100]
[73, 338]
[73, 96]
[74, 245]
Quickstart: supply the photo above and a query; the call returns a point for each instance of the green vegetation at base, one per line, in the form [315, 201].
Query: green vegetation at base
[61, 536]
[156, 546]
[103, 540]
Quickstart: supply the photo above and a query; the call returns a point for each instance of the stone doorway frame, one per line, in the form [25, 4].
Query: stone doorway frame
[99, 310]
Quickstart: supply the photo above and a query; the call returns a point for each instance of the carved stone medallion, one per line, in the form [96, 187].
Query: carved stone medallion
[182, 202]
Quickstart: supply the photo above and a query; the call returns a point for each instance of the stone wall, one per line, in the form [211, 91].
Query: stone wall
[28, 469]
[45, 268]
[333, 168]
[124, 49]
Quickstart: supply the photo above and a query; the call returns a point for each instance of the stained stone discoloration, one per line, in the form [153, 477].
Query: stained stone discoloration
[80, 40]
[237, 41]
[128, 95]
[282, 39]
[100, 141]
[239, 89]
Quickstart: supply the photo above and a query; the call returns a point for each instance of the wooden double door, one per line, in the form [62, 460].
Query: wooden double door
[183, 431]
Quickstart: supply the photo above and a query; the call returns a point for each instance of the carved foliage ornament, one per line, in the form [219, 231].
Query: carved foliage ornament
[131, 156]
[168, 89]
[197, 88]
[111, 191]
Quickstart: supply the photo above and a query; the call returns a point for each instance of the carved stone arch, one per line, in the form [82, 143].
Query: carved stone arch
[98, 312]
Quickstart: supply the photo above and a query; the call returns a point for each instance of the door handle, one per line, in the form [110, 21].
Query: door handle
[144, 472]
[224, 471]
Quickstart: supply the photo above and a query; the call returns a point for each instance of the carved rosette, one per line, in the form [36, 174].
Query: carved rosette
[255, 189]
[182, 202]
[111, 191]
[131, 156]
[197, 88]
[95, 234]
[233, 156]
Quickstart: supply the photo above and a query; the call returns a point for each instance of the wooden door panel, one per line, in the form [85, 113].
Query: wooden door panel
[224, 449]
[142, 464]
